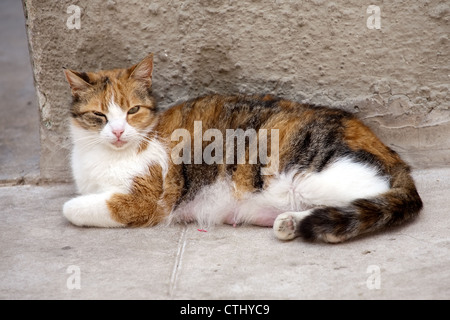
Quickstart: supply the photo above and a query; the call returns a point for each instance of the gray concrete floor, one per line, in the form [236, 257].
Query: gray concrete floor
[42, 256]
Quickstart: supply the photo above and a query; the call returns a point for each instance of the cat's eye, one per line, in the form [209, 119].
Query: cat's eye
[134, 110]
[99, 114]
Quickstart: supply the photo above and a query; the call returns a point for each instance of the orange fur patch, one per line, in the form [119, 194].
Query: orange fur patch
[359, 137]
[140, 207]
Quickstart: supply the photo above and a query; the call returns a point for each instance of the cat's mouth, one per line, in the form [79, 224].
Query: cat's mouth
[119, 143]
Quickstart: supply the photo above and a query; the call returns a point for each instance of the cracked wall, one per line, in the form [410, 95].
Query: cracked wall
[395, 77]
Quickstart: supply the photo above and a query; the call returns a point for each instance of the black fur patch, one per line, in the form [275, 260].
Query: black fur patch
[196, 176]
[327, 220]
[85, 77]
[258, 181]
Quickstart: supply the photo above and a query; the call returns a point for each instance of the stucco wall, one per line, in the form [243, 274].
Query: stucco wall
[396, 77]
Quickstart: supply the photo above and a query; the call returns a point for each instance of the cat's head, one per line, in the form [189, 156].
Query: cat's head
[113, 108]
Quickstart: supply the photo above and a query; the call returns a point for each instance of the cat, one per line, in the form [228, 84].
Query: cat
[332, 179]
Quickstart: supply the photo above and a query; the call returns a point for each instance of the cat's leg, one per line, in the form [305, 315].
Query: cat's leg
[341, 193]
[286, 224]
[109, 210]
[90, 211]
[142, 205]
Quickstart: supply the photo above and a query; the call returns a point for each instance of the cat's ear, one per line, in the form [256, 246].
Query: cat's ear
[143, 70]
[78, 81]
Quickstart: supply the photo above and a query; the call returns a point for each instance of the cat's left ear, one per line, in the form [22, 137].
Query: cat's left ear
[143, 70]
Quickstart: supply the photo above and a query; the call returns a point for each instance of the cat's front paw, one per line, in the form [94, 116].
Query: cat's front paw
[90, 211]
[73, 212]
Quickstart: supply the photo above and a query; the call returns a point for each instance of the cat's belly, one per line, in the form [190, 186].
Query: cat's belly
[213, 204]
[263, 218]
[217, 204]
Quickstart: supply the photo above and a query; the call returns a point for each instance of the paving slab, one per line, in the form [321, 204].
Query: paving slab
[40, 251]
[42, 256]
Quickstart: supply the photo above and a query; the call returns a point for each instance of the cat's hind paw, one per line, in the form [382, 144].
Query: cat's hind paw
[284, 227]
[286, 224]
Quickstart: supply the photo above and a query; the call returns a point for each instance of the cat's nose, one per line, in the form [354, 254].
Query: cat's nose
[117, 132]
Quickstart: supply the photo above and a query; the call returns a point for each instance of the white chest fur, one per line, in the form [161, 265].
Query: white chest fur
[102, 169]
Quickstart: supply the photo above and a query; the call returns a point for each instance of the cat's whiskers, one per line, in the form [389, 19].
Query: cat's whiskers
[144, 136]
[87, 142]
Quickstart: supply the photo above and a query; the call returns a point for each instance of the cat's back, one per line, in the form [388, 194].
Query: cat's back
[310, 136]
[245, 112]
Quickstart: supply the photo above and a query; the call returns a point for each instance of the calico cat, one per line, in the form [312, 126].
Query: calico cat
[328, 176]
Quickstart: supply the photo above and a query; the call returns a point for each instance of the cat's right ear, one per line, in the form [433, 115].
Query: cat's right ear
[78, 81]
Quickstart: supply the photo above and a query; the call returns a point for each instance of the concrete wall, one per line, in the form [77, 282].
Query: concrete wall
[396, 77]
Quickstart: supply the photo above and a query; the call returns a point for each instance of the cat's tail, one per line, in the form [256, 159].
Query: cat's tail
[335, 224]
